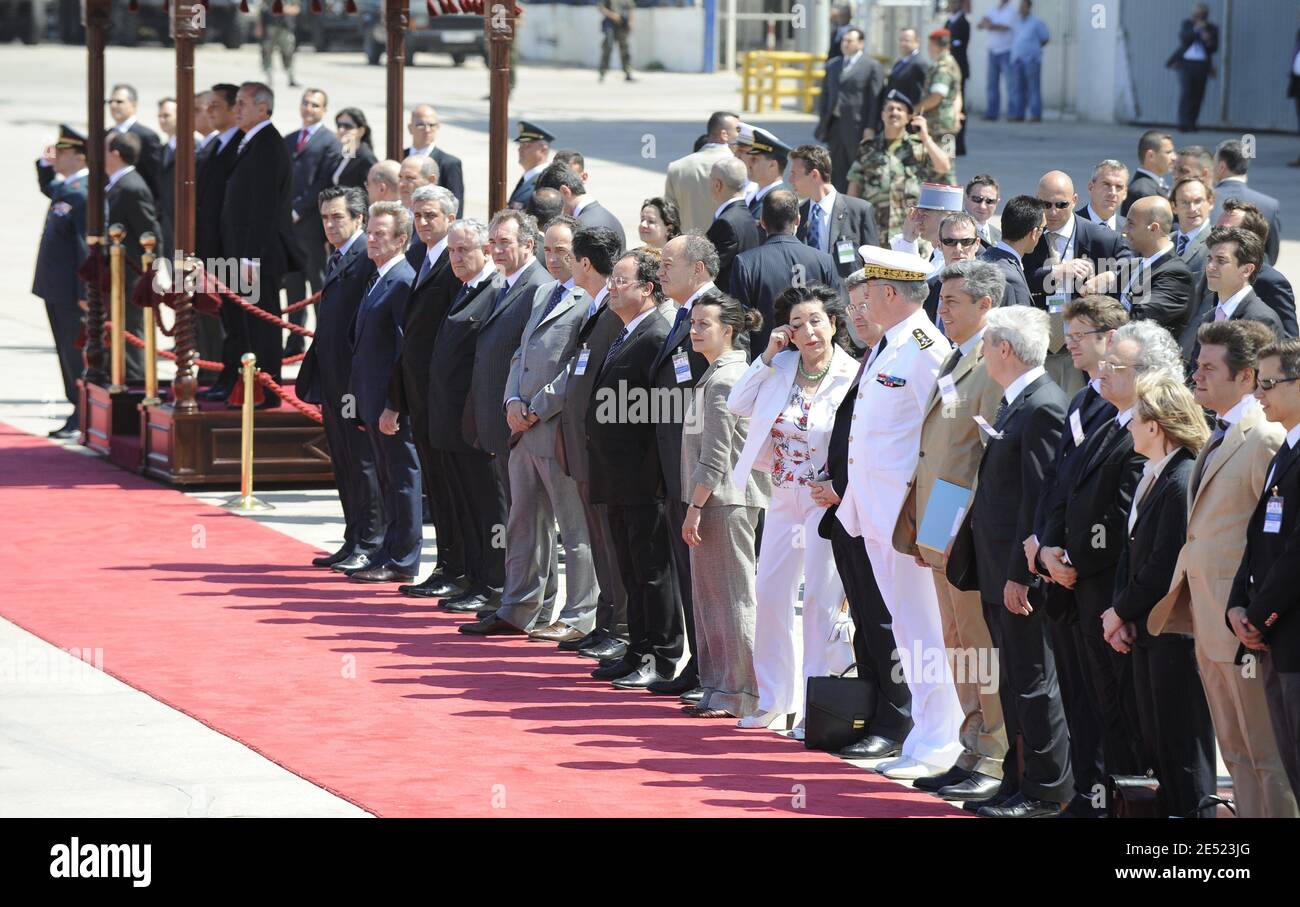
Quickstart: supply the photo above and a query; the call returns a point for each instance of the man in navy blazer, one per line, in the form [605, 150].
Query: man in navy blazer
[760, 275]
[844, 224]
[1023, 225]
[1230, 166]
[733, 230]
[326, 373]
[376, 346]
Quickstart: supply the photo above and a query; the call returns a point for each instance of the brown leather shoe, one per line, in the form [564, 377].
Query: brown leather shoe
[556, 632]
[381, 574]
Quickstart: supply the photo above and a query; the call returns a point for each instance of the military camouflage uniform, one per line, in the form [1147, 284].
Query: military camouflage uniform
[619, 33]
[277, 36]
[890, 177]
[944, 78]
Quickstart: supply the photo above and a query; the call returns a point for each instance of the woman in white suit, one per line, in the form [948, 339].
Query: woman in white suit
[790, 394]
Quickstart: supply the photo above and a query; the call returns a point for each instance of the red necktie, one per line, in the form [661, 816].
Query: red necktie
[302, 139]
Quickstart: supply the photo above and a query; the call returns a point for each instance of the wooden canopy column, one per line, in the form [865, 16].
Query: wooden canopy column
[186, 32]
[499, 21]
[96, 17]
[396, 19]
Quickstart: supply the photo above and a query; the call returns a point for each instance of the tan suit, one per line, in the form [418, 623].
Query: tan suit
[688, 184]
[951, 448]
[1216, 540]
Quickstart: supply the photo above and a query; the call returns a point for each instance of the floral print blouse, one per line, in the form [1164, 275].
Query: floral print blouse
[792, 462]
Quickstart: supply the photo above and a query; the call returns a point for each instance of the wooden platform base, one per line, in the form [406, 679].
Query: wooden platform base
[106, 415]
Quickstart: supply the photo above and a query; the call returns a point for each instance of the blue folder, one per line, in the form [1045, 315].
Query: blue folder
[944, 512]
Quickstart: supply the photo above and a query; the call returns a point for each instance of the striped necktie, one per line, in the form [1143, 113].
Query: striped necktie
[613, 349]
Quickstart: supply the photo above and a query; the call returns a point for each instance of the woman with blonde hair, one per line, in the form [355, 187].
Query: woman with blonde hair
[1173, 718]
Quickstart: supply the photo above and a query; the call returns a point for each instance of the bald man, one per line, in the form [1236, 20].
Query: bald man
[1157, 284]
[416, 171]
[383, 182]
[1071, 250]
[424, 128]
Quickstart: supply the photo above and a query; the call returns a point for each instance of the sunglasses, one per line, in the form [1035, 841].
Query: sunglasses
[1059, 205]
[345, 127]
[965, 243]
[1269, 383]
[983, 200]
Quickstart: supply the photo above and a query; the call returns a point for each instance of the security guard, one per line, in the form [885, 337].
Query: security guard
[276, 33]
[943, 96]
[616, 23]
[765, 158]
[534, 153]
[62, 175]
[884, 448]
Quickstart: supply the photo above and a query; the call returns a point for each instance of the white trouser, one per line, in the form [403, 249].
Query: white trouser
[909, 595]
[791, 550]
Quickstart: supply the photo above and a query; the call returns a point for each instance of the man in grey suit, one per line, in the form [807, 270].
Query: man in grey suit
[1023, 221]
[848, 104]
[689, 180]
[1230, 166]
[577, 203]
[1192, 198]
[541, 495]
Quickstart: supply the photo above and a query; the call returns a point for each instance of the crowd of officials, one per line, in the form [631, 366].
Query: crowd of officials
[1053, 450]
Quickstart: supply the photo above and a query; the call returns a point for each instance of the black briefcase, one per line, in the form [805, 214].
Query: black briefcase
[1132, 797]
[837, 710]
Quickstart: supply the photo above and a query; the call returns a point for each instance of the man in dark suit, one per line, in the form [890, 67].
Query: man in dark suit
[733, 230]
[1235, 256]
[959, 27]
[988, 555]
[1198, 39]
[958, 241]
[1261, 608]
[432, 291]
[424, 128]
[1273, 289]
[376, 346]
[316, 153]
[130, 203]
[61, 173]
[326, 373]
[851, 91]
[841, 16]
[1155, 284]
[1192, 199]
[257, 226]
[1230, 166]
[623, 456]
[908, 74]
[1293, 85]
[1107, 189]
[760, 275]
[478, 500]
[1023, 226]
[765, 157]
[533, 147]
[122, 105]
[213, 164]
[589, 212]
[829, 220]
[1156, 159]
[166, 196]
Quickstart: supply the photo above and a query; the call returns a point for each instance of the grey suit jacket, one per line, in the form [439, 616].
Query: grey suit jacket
[687, 186]
[713, 438]
[498, 338]
[1195, 254]
[540, 366]
[1268, 207]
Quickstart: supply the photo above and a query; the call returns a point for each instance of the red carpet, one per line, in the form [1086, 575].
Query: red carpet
[361, 691]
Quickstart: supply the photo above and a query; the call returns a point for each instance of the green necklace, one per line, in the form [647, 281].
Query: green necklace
[819, 375]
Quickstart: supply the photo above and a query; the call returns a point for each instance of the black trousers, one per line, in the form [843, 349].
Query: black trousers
[1177, 732]
[684, 620]
[640, 536]
[480, 507]
[437, 490]
[234, 344]
[1031, 704]
[247, 333]
[1110, 680]
[65, 326]
[873, 637]
[311, 242]
[611, 606]
[357, 479]
[1192, 75]
[1080, 710]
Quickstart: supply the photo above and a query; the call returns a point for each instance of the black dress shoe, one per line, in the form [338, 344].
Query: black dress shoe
[978, 786]
[591, 639]
[490, 626]
[610, 648]
[621, 668]
[380, 574]
[329, 560]
[352, 562]
[871, 747]
[66, 433]
[434, 587]
[690, 697]
[932, 783]
[675, 687]
[1080, 807]
[472, 602]
[1021, 807]
[639, 679]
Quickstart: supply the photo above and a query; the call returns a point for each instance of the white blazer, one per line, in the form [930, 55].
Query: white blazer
[762, 393]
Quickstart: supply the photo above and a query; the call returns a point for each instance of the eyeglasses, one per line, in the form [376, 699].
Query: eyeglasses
[856, 307]
[345, 127]
[1059, 205]
[425, 125]
[965, 242]
[1107, 366]
[983, 200]
[1268, 384]
[1078, 336]
[623, 282]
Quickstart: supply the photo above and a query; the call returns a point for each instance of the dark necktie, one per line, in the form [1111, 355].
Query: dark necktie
[461, 296]
[552, 302]
[950, 363]
[332, 265]
[1183, 240]
[370, 284]
[613, 349]
[1285, 454]
[302, 139]
[501, 296]
[1003, 406]
[683, 313]
[1216, 438]
[424, 270]
[815, 227]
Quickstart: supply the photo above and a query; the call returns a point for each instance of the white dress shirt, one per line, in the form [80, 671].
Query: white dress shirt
[1112, 221]
[1017, 387]
[248, 136]
[1223, 311]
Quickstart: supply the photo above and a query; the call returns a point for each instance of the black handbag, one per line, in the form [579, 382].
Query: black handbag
[1132, 797]
[837, 710]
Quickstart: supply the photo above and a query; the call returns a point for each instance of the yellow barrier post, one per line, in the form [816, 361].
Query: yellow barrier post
[147, 243]
[117, 310]
[245, 501]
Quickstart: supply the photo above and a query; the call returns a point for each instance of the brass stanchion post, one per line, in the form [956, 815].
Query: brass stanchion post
[117, 303]
[147, 243]
[245, 501]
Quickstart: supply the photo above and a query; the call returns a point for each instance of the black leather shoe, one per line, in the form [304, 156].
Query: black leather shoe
[490, 626]
[978, 786]
[871, 747]
[329, 560]
[434, 587]
[621, 668]
[353, 562]
[639, 679]
[690, 697]
[610, 648]
[573, 645]
[381, 574]
[1080, 807]
[1021, 807]
[932, 783]
[675, 687]
[472, 602]
[997, 799]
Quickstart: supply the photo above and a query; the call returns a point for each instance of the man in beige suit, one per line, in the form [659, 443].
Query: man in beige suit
[690, 177]
[1226, 483]
[951, 447]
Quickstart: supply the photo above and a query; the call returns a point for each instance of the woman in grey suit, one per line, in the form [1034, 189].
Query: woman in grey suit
[721, 518]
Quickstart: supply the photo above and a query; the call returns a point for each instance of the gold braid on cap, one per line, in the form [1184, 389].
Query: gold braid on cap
[880, 272]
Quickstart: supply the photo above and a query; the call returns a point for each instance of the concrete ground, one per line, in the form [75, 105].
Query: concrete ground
[85, 744]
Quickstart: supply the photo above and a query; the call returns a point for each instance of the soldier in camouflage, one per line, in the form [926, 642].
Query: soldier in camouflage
[616, 23]
[891, 167]
[942, 101]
